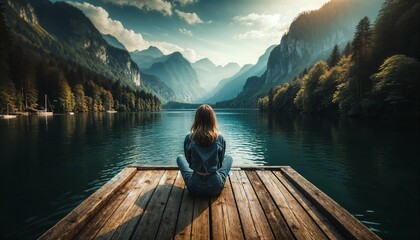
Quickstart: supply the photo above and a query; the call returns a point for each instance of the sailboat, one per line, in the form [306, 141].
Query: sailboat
[7, 116]
[44, 112]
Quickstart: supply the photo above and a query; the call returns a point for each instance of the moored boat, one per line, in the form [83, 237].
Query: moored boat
[44, 112]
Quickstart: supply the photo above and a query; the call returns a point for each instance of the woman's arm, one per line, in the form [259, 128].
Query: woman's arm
[186, 152]
[222, 153]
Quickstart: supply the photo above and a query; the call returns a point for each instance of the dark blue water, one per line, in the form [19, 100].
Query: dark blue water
[50, 165]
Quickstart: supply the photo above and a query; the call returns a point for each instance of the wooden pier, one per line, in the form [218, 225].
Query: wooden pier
[257, 203]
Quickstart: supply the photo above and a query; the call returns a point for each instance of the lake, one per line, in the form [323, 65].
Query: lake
[50, 165]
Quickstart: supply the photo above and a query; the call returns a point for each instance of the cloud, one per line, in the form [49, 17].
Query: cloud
[254, 34]
[261, 26]
[190, 18]
[186, 32]
[168, 48]
[149, 5]
[100, 18]
[185, 2]
[130, 39]
[255, 18]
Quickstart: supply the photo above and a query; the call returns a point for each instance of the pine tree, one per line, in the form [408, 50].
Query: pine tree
[334, 57]
[361, 46]
[80, 98]
[7, 87]
[347, 49]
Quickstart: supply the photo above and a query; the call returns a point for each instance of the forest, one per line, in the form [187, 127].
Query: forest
[27, 76]
[377, 75]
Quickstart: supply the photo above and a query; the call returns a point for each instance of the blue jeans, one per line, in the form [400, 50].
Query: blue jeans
[209, 185]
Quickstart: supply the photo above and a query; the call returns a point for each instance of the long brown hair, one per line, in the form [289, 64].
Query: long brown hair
[204, 130]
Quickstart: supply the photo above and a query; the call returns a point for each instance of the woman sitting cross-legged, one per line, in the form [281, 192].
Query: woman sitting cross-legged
[205, 166]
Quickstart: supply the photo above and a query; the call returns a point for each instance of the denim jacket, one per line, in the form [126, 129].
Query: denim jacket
[205, 159]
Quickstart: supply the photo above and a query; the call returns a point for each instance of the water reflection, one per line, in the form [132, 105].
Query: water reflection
[53, 164]
[366, 166]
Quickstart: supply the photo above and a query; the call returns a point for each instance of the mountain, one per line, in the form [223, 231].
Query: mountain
[310, 38]
[64, 31]
[210, 75]
[230, 87]
[111, 40]
[158, 87]
[176, 72]
[147, 57]
[204, 64]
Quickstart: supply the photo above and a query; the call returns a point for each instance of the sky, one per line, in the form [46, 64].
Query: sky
[222, 30]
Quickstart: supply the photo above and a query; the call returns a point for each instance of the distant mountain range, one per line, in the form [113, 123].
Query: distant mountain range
[310, 38]
[210, 75]
[62, 30]
[230, 87]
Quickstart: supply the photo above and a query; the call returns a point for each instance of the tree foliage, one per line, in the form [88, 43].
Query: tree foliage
[26, 76]
[398, 82]
[378, 74]
[334, 57]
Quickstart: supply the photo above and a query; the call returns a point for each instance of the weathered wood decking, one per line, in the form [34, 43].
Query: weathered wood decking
[257, 203]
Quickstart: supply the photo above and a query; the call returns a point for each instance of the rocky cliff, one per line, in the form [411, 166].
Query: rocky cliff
[310, 38]
[63, 30]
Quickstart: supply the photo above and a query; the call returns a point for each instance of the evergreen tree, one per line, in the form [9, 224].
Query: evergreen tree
[7, 87]
[334, 57]
[347, 50]
[66, 99]
[396, 30]
[80, 98]
[361, 45]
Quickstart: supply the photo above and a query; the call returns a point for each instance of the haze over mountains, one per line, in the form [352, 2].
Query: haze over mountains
[63, 30]
[230, 87]
[210, 74]
[310, 38]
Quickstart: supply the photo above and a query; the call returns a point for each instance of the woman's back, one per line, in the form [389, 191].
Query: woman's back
[204, 166]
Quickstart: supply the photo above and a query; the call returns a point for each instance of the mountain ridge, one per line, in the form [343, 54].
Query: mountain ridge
[63, 30]
[210, 74]
[177, 73]
[230, 87]
[311, 37]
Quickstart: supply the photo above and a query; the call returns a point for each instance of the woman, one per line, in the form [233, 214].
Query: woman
[205, 166]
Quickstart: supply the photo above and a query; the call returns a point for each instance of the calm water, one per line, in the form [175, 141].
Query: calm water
[50, 165]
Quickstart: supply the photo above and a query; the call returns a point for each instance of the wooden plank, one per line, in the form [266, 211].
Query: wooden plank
[170, 216]
[185, 217]
[154, 167]
[173, 167]
[117, 217]
[71, 224]
[201, 219]
[149, 223]
[342, 219]
[224, 215]
[252, 216]
[92, 227]
[275, 218]
[300, 223]
[320, 219]
[130, 215]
